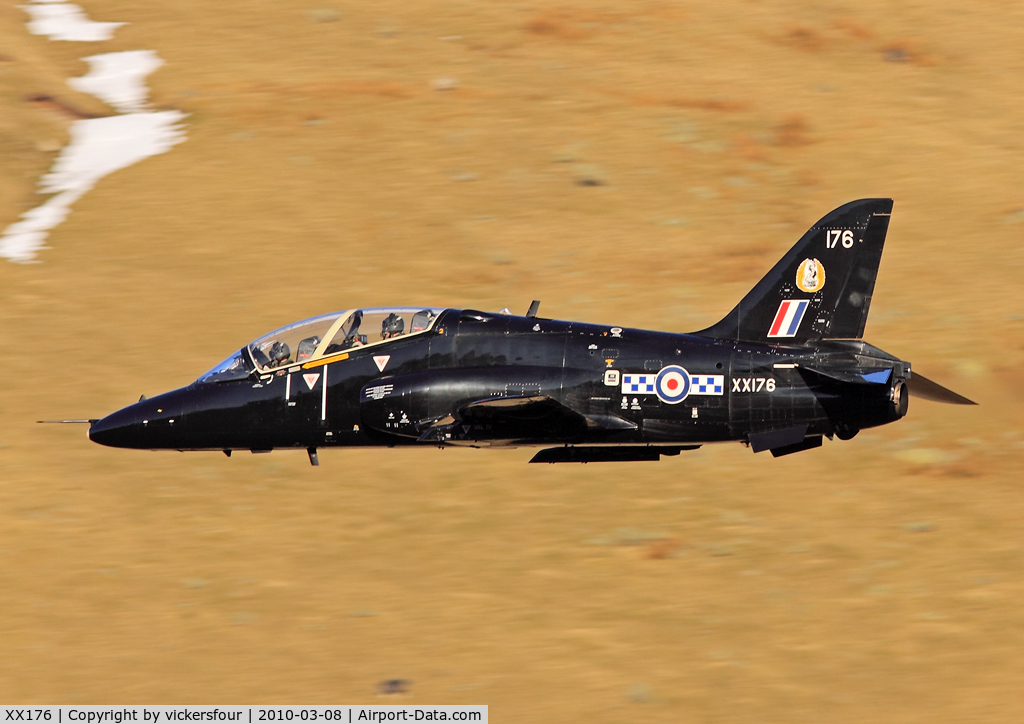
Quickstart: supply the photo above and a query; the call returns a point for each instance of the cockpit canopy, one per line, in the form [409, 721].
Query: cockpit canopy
[323, 336]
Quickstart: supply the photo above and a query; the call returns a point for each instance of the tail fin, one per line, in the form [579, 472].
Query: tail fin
[822, 288]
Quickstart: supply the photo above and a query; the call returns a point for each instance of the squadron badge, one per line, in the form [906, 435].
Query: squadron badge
[810, 276]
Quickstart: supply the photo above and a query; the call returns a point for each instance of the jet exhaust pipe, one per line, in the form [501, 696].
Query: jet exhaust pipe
[900, 399]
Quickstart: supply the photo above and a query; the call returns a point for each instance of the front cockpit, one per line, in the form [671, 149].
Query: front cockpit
[323, 337]
[295, 343]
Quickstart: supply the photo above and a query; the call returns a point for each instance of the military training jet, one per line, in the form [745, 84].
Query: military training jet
[782, 370]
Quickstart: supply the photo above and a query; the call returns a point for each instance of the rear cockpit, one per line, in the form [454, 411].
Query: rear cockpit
[324, 336]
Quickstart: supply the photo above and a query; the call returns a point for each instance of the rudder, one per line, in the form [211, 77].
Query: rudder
[821, 289]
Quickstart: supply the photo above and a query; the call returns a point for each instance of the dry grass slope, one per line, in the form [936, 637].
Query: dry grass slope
[639, 165]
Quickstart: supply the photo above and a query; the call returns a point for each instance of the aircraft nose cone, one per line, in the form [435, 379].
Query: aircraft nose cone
[148, 424]
[116, 429]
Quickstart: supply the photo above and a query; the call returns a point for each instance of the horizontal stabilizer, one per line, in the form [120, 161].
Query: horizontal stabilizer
[921, 386]
[90, 421]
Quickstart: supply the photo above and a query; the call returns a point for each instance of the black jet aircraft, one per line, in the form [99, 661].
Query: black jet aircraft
[785, 368]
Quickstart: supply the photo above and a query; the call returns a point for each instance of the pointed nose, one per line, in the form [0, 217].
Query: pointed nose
[149, 424]
[118, 429]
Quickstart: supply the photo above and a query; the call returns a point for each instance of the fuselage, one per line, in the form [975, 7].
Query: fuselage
[483, 379]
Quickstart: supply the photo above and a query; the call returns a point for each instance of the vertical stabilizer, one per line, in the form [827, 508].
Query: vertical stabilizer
[822, 288]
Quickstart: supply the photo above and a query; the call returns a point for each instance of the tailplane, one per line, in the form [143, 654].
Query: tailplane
[822, 288]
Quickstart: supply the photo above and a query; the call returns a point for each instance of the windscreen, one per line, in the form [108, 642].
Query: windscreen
[235, 367]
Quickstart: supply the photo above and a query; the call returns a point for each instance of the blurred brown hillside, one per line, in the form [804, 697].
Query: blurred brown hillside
[639, 164]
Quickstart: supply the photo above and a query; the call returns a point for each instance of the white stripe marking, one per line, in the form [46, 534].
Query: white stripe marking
[323, 398]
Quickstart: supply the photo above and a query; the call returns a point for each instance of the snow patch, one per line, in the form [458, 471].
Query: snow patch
[99, 146]
[119, 79]
[64, 21]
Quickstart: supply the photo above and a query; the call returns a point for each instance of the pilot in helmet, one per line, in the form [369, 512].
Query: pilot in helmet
[392, 326]
[279, 353]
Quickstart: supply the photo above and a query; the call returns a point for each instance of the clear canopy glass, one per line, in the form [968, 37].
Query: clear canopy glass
[324, 335]
[374, 325]
[295, 343]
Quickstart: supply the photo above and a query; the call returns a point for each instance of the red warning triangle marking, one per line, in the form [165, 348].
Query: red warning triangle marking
[381, 360]
[311, 379]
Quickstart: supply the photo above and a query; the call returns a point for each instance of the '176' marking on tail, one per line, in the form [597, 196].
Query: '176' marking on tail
[788, 318]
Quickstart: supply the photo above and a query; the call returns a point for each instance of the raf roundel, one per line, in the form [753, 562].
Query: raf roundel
[672, 384]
